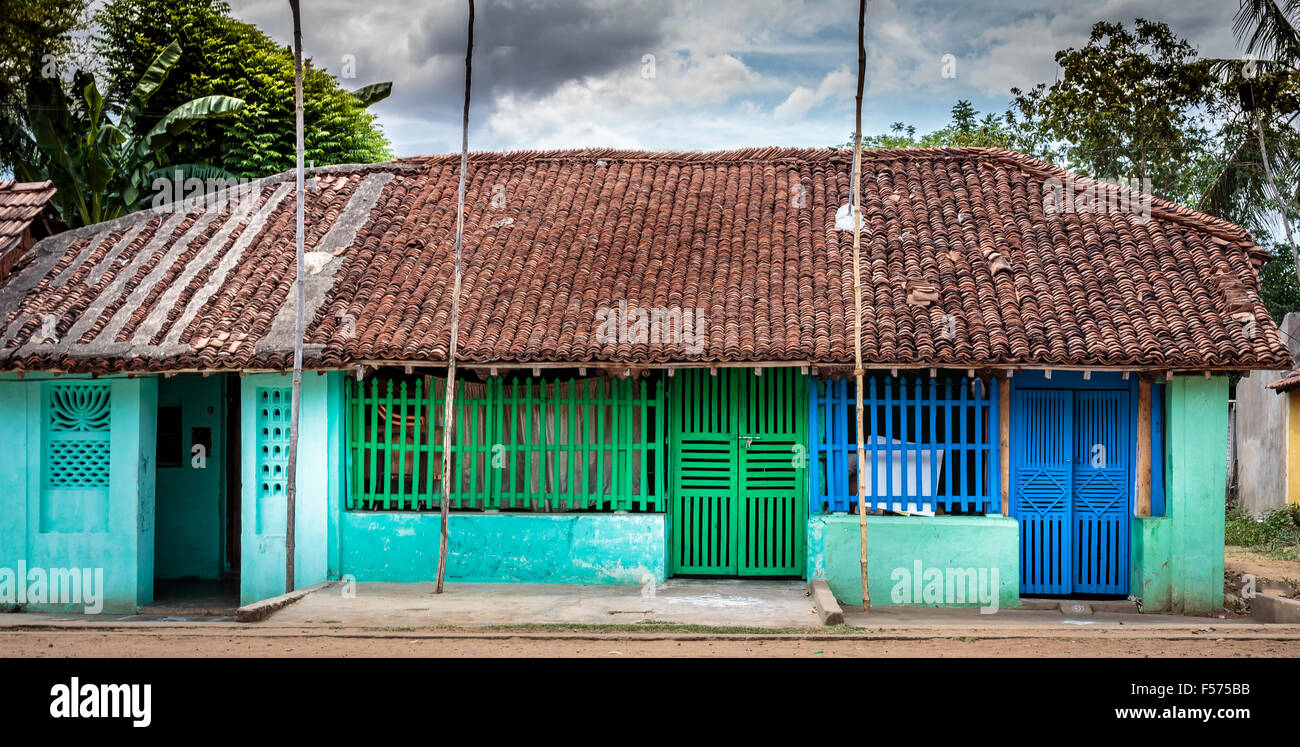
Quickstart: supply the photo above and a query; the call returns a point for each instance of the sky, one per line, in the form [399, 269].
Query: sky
[698, 74]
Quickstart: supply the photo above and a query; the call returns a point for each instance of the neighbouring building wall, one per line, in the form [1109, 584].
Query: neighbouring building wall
[78, 471]
[265, 442]
[1263, 425]
[503, 547]
[906, 554]
[1178, 558]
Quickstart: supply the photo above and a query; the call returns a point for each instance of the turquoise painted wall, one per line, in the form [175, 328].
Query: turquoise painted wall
[1178, 558]
[263, 514]
[1149, 558]
[110, 530]
[534, 548]
[896, 544]
[188, 523]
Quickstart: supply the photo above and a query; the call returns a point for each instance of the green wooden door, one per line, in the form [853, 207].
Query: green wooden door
[771, 447]
[739, 499]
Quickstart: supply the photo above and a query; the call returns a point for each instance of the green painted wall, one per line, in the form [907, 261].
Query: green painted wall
[110, 530]
[534, 548]
[1149, 558]
[946, 544]
[1178, 558]
[320, 461]
[188, 523]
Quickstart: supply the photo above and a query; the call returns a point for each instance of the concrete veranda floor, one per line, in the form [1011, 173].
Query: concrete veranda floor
[767, 604]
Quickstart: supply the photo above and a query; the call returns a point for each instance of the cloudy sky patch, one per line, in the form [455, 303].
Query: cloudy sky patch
[698, 74]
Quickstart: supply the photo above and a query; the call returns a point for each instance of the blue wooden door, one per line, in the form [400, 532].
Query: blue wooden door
[1070, 490]
[1041, 488]
[1100, 495]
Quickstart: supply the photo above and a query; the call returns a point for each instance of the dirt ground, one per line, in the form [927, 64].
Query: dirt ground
[1272, 575]
[244, 642]
[1239, 560]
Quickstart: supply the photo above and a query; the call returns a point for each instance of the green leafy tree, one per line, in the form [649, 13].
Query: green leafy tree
[38, 35]
[104, 169]
[1128, 105]
[1260, 102]
[223, 56]
[966, 130]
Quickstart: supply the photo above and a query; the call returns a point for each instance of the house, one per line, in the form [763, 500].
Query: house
[1266, 434]
[1287, 430]
[657, 352]
[27, 215]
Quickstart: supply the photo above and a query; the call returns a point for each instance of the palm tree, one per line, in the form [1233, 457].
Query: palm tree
[103, 169]
[1268, 27]
[1257, 183]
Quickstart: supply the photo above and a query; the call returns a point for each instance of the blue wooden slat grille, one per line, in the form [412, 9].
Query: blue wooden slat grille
[942, 432]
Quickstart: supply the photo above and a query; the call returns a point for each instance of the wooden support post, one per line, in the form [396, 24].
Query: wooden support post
[1144, 448]
[1004, 442]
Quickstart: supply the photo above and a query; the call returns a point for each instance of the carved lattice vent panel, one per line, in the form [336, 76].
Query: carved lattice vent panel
[78, 435]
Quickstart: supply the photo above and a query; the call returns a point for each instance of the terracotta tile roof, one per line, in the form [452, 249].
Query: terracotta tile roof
[961, 266]
[1287, 383]
[20, 204]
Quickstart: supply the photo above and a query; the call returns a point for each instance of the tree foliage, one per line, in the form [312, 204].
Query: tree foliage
[1128, 105]
[37, 35]
[103, 169]
[222, 56]
[966, 130]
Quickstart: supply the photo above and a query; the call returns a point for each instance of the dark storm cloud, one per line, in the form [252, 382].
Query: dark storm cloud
[524, 47]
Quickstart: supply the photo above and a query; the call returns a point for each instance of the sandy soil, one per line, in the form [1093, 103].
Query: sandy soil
[290, 643]
[1243, 560]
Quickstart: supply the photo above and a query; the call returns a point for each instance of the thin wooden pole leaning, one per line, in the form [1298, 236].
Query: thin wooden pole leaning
[449, 404]
[291, 479]
[857, 300]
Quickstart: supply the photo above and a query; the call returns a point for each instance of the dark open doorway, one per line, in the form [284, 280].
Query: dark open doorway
[196, 518]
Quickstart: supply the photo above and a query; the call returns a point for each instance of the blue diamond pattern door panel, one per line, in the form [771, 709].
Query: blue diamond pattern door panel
[1040, 458]
[1101, 492]
[1070, 490]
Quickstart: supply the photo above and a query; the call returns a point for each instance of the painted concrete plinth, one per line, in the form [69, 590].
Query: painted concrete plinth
[534, 548]
[917, 560]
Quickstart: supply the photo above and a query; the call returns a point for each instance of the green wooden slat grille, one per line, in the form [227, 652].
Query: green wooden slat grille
[522, 444]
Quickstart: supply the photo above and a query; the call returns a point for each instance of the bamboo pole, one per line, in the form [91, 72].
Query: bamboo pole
[291, 482]
[857, 299]
[449, 409]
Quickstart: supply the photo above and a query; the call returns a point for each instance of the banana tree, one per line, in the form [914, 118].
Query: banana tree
[103, 169]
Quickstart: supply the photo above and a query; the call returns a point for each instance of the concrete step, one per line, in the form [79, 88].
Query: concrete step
[1079, 607]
